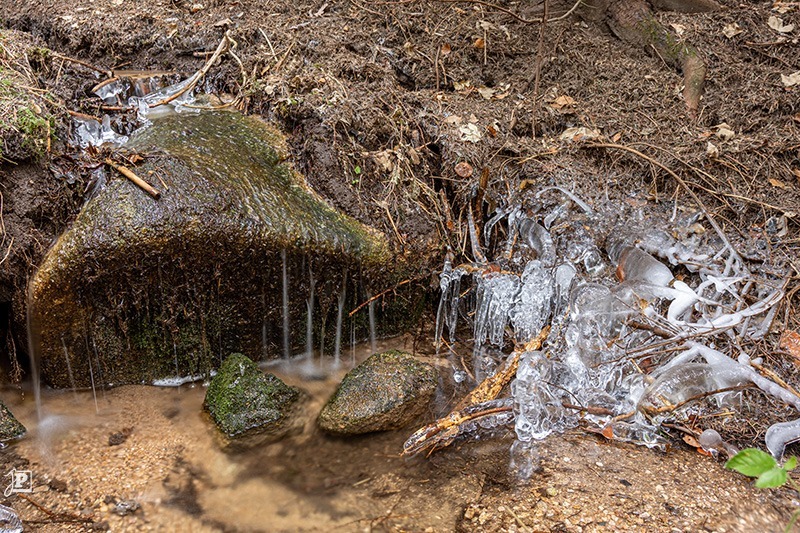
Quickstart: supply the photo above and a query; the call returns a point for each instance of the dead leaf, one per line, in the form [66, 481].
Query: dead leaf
[680, 29]
[470, 132]
[778, 183]
[479, 43]
[796, 173]
[579, 134]
[413, 155]
[725, 132]
[790, 343]
[453, 119]
[382, 158]
[732, 30]
[796, 117]
[711, 150]
[486, 92]
[791, 80]
[464, 169]
[561, 102]
[446, 50]
[608, 432]
[462, 85]
[776, 23]
[617, 136]
[491, 129]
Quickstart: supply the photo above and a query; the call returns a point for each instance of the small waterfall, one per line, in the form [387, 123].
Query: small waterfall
[285, 301]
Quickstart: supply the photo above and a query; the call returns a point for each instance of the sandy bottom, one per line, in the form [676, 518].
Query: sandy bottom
[166, 457]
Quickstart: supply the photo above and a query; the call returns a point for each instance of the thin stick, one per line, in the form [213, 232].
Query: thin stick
[222, 47]
[139, 182]
[383, 293]
[538, 71]
[682, 184]
[83, 63]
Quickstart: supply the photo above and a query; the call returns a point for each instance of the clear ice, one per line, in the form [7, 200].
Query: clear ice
[630, 344]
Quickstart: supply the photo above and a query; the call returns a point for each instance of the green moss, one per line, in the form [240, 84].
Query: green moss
[241, 399]
[10, 428]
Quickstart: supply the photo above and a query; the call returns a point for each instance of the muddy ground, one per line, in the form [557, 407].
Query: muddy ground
[381, 101]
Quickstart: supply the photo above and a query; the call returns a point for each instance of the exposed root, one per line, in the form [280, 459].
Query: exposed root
[633, 21]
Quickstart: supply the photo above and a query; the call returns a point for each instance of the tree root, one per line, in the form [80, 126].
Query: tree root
[633, 21]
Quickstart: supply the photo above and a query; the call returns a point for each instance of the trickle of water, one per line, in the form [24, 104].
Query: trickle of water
[94, 391]
[33, 342]
[310, 313]
[69, 368]
[373, 343]
[285, 302]
[339, 319]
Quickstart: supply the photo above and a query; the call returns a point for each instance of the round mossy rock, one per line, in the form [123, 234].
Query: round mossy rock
[245, 402]
[387, 391]
[10, 427]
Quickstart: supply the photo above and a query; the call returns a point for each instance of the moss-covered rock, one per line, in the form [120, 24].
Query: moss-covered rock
[387, 391]
[10, 427]
[245, 403]
[141, 289]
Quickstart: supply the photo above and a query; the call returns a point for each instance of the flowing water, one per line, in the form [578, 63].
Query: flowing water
[173, 466]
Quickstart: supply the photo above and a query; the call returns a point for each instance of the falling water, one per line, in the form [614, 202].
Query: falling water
[372, 340]
[94, 392]
[285, 306]
[69, 368]
[33, 338]
[339, 318]
[310, 314]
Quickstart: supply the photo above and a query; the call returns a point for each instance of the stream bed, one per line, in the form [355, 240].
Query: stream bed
[147, 458]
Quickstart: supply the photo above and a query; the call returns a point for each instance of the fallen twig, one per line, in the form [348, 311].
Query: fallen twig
[139, 182]
[83, 63]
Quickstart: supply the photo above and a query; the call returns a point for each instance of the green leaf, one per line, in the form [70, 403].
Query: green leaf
[357, 170]
[775, 477]
[790, 464]
[751, 462]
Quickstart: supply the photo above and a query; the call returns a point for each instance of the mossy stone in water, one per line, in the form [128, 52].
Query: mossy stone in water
[10, 427]
[387, 391]
[243, 401]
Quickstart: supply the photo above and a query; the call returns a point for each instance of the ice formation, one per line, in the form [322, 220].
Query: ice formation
[631, 344]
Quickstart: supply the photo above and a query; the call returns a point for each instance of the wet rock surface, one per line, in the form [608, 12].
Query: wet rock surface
[141, 289]
[248, 405]
[10, 427]
[387, 391]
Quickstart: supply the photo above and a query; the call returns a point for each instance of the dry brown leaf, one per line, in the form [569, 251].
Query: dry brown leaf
[796, 173]
[464, 169]
[561, 102]
[731, 30]
[778, 183]
[790, 343]
[446, 49]
[479, 43]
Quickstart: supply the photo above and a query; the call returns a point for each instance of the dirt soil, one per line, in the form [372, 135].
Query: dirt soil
[382, 100]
